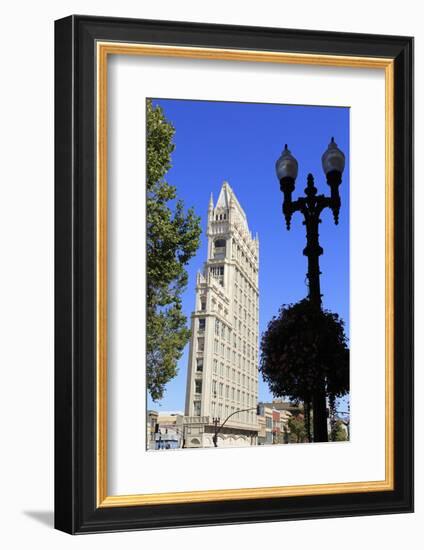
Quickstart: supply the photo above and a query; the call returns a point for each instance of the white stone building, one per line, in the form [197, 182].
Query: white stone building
[222, 373]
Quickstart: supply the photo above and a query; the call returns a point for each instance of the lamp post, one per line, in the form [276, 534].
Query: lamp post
[311, 206]
[216, 422]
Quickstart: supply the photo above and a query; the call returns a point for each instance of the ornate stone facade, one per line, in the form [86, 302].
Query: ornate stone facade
[222, 373]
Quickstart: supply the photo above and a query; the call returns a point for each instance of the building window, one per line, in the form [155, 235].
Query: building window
[199, 364]
[219, 249]
[203, 305]
[202, 324]
[198, 386]
[200, 344]
[217, 327]
[215, 365]
[218, 273]
[196, 407]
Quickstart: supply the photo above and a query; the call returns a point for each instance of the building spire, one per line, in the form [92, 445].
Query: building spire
[211, 202]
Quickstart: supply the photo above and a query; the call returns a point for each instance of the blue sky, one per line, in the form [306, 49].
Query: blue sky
[240, 143]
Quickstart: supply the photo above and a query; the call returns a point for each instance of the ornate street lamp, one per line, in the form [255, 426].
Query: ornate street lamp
[311, 206]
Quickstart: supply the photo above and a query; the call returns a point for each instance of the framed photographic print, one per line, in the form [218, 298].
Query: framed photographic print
[234, 274]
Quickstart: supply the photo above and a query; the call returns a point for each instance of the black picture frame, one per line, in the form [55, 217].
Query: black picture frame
[76, 509]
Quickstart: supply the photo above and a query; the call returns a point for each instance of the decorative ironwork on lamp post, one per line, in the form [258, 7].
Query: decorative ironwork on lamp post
[311, 206]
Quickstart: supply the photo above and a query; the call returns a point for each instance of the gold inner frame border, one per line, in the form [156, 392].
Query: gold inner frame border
[103, 50]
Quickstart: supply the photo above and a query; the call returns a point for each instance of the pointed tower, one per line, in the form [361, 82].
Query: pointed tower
[222, 376]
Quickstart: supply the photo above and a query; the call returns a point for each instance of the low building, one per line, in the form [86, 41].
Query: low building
[277, 435]
[287, 409]
[152, 419]
[285, 406]
[262, 430]
[265, 424]
[170, 431]
[199, 431]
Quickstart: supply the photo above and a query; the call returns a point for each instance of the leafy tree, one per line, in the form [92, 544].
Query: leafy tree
[302, 346]
[338, 431]
[173, 236]
[297, 429]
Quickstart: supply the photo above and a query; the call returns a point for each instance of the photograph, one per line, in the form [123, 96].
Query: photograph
[247, 284]
[233, 274]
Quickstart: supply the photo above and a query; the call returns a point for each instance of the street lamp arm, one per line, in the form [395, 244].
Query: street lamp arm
[310, 205]
[290, 207]
[219, 428]
[235, 412]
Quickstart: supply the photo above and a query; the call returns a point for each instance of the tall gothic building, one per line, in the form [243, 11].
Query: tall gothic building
[222, 376]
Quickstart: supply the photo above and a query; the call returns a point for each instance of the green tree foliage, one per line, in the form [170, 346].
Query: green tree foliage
[297, 429]
[338, 431]
[302, 346]
[173, 236]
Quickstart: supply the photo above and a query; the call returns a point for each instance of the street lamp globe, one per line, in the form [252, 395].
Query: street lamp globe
[333, 160]
[286, 166]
